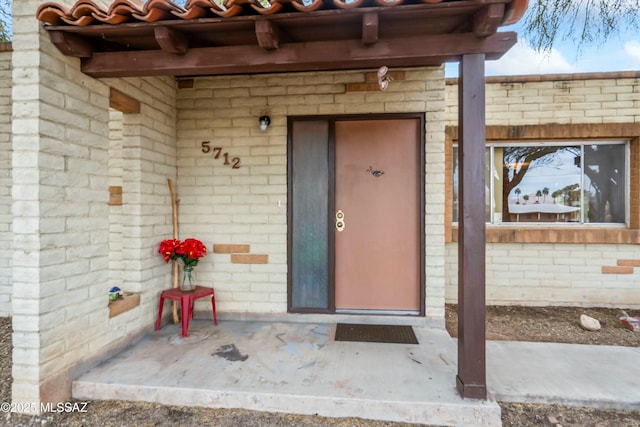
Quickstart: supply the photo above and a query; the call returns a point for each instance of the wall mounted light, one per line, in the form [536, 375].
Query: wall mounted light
[383, 78]
[265, 121]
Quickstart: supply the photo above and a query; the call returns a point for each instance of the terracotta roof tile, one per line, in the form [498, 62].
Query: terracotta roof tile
[87, 12]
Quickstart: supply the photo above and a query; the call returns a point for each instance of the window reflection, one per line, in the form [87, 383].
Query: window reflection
[541, 184]
[550, 183]
[605, 183]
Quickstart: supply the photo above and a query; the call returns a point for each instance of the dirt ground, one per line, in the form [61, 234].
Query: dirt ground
[507, 323]
[551, 324]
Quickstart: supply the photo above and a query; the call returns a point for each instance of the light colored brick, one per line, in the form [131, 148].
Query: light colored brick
[6, 178]
[71, 113]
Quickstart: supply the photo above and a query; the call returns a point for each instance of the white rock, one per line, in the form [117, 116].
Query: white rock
[589, 323]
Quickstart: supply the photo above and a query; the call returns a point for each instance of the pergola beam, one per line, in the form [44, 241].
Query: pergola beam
[322, 55]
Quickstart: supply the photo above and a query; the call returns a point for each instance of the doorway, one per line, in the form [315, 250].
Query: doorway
[356, 197]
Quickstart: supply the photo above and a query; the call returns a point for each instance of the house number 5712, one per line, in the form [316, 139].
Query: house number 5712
[217, 153]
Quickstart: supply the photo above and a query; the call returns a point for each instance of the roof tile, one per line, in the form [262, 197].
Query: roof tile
[87, 12]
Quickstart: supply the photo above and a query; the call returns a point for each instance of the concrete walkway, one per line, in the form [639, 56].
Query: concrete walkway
[298, 368]
[581, 375]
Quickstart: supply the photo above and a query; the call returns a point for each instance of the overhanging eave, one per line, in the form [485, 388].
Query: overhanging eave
[398, 35]
[311, 56]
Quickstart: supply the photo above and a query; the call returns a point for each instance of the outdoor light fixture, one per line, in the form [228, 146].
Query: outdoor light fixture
[383, 78]
[265, 121]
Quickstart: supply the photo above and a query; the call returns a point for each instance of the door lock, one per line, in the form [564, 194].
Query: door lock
[340, 221]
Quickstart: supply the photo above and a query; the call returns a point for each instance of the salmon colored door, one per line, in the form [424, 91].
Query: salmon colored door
[378, 214]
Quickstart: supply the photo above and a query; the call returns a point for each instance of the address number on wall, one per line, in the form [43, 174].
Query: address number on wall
[218, 153]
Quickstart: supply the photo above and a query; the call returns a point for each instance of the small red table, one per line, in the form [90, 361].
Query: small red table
[186, 299]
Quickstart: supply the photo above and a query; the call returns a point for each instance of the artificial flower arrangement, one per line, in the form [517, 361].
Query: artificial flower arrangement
[188, 252]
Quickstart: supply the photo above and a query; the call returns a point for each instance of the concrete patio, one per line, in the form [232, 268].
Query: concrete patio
[293, 367]
[292, 364]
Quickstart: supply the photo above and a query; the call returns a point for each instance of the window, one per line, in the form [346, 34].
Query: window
[553, 182]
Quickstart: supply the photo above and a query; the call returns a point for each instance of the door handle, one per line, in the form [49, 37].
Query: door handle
[340, 221]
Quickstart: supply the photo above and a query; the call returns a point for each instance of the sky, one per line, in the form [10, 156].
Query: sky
[620, 53]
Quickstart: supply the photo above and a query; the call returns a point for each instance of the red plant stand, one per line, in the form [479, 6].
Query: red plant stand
[186, 299]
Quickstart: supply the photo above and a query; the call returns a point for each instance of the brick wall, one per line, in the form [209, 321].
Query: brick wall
[71, 244]
[558, 99]
[556, 273]
[6, 236]
[553, 274]
[247, 206]
[63, 228]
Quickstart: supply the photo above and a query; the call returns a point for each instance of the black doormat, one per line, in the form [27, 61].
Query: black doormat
[396, 334]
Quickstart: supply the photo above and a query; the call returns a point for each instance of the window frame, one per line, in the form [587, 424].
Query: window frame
[492, 145]
[628, 233]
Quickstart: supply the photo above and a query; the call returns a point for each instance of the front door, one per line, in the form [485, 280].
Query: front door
[377, 237]
[355, 215]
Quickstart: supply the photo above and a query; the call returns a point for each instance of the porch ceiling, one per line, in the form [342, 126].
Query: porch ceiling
[160, 38]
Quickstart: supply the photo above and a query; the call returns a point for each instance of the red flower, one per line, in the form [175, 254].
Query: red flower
[190, 251]
[168, 249]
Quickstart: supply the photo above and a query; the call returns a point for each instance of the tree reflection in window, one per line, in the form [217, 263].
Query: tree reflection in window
[532, 169]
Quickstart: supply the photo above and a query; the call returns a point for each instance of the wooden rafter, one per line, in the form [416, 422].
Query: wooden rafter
[487, 20]
[370, 28]
[72, 44]
[170, 40]
[267, 34]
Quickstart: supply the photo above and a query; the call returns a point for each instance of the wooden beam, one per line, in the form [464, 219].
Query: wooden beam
[267, 34]
[71, 44]
[471, 380]
[487, 20]
[313, 56]
[122, 102]
[369, 28]
[170, 40]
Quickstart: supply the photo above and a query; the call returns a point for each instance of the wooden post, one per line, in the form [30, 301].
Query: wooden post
[174, 206]
[471, 378]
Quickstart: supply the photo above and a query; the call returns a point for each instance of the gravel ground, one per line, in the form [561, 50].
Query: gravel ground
[121, 413]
